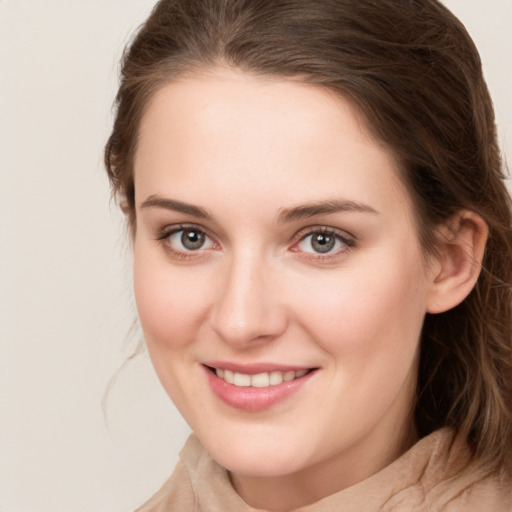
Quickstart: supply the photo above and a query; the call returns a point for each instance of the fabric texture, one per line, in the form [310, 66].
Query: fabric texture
[433, 476]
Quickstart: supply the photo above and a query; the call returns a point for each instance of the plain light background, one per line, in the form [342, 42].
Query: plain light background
[65, 294]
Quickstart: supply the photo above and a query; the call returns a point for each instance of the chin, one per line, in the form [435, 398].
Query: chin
[255, 459]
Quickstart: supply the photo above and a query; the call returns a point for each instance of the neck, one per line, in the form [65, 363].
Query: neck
[359, 462]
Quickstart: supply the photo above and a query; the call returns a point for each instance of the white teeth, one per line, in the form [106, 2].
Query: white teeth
[289, 376]
[241, 379]
[276, 378]
[260, 380]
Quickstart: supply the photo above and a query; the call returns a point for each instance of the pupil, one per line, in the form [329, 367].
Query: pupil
[192, 240]
[322, 242]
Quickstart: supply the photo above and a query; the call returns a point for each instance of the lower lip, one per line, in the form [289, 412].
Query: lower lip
[254, 399]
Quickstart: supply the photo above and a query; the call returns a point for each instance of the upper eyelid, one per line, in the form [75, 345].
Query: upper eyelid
[299, 235]
[166, 232]
[175, 228]
[349, 241]
[302, 233]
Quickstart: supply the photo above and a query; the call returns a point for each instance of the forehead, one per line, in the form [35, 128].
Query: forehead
[241, 136]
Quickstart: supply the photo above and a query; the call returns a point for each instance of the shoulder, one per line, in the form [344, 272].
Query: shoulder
[470, 492]
[178, 493]
[487, 493]
[197, 484]
[448, 479]
[175, 494]
[438, 474]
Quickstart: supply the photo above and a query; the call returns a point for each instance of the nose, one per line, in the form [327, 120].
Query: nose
[248, 311]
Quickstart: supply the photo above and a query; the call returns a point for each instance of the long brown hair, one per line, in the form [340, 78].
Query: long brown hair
[413, 71]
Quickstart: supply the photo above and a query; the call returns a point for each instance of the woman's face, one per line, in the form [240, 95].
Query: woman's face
[278, 276]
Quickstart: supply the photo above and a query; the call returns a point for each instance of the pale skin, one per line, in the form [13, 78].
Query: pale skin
[259, 170]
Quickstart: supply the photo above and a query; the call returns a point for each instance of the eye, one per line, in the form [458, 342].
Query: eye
[324, 241]
[186, 239]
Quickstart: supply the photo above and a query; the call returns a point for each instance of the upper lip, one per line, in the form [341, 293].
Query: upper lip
[255, 368]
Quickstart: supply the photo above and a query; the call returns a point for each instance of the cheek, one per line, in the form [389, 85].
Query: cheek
[171, 306]
[171, 302]
[378, 307]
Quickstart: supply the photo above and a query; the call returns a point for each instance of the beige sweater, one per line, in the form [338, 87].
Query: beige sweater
[429, 477]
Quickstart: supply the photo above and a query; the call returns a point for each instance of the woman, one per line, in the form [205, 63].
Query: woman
[322, 246]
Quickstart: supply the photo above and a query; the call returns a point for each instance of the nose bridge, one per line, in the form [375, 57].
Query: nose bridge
[247, 308]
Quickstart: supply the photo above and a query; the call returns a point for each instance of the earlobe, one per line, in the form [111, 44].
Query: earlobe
[458, 263]
[124, 207]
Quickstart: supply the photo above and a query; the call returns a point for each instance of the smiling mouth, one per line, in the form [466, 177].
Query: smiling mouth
[258, 380]
[252, 389]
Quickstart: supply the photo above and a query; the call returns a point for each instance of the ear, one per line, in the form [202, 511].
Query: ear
[124, 207]
[456, 267]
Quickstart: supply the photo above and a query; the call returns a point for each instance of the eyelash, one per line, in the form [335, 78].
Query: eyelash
[167, 232]
[348, 242]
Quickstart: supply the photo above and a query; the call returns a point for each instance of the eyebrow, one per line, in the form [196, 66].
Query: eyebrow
[322, 208]
[285, 215]
[155, 201]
